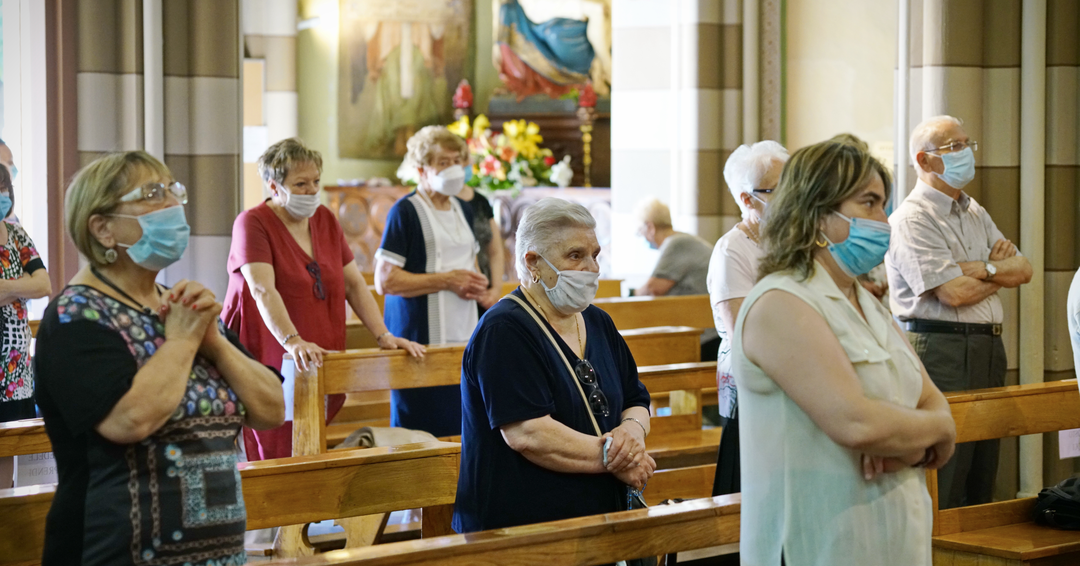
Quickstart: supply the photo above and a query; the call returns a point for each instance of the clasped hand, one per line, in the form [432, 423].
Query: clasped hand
[627, 458]
[189, 312]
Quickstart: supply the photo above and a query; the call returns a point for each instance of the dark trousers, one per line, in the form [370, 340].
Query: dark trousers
[958, 362]
[727, 479]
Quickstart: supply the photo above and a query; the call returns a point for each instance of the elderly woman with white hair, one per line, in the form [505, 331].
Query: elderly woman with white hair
[554, 417]
[426, 266]
[752, 174]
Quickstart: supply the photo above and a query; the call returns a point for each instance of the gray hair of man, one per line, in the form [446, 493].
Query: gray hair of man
[748, 164]
[544, 225]
[924, 136]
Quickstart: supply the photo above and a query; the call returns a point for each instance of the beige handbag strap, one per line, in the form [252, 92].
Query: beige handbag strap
[569, 368]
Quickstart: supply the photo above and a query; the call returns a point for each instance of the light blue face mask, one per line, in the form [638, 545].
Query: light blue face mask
[14, 172]
[164, 238]
[5, 205]
[959, 168]
[864, 248]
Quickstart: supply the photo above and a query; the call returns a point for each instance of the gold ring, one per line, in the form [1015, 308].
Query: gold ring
[631, 454]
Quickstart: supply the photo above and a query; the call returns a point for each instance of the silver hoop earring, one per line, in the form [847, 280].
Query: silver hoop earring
[110, 255]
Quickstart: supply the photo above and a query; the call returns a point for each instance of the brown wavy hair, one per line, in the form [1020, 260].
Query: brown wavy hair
[813, 183]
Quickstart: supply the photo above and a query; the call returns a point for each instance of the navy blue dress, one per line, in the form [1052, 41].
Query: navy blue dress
[512, 373]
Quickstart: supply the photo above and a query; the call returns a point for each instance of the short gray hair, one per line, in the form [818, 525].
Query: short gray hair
[542, 227]
[922, 137]
[748, 164]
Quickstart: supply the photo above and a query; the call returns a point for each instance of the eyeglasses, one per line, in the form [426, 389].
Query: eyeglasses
[958, 146]
[763, 191]
[313, 269]
[154, 193]
[597, 400]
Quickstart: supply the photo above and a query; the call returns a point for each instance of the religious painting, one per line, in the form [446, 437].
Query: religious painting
[552, 47]
[398, 62]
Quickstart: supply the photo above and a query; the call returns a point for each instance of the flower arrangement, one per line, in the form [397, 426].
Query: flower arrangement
[511, 159]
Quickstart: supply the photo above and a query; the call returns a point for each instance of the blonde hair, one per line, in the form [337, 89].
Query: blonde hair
[816, 180]
[421, 147]
[97, 188]
[275, 163]
[748, 164]
[652, 210]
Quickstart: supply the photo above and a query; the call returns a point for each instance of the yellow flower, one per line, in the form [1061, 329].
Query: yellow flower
[524, 137]
[461, 127]
[480, 125]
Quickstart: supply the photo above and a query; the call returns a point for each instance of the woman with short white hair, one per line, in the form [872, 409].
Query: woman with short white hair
[554, 417]
[426, 267]
[752, 173]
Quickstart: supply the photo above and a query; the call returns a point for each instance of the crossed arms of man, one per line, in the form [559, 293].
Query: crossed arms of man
[976, 283]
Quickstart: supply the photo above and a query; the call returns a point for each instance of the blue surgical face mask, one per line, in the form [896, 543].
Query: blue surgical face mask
[468, 173]
[864, 248]
[5, 205]
[14, 172]
[959, 168]
[164, 238]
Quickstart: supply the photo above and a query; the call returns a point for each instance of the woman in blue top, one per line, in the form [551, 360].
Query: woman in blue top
[426, 267]
[533, 430]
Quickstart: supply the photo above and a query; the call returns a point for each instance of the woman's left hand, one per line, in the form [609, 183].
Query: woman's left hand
[627, 447]
[874, 466]
[391, 342]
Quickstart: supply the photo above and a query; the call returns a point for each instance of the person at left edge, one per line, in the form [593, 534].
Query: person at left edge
[290, 274]
[143, 390]
[22, 277]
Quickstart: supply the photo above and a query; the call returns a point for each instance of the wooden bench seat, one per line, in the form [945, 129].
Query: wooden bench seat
[288, 491]
[1002, 533]
[599, 539]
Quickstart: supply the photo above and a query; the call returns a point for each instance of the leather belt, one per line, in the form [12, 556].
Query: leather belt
[942, 327]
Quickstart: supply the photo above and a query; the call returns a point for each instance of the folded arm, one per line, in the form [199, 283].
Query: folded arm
[797, 349]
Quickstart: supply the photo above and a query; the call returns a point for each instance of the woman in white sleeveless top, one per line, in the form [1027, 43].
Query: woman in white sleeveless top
[838, 416]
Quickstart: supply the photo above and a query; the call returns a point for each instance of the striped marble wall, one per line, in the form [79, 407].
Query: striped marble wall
[677, 111]
[109, 77]
[270, 114]
[201, 52]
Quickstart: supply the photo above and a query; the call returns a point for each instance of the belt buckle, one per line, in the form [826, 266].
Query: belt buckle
[996, 330]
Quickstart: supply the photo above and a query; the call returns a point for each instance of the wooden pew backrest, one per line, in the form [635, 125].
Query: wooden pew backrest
[288, 491]
[23, 437]
[598, 539]
[640, 312]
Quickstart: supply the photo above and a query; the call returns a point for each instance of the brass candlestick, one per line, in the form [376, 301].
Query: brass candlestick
[587, 115]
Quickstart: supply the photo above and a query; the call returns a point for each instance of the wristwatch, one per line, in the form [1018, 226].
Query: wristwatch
[991, 271]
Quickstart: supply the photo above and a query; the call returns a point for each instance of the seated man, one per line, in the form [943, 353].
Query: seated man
[683, 266]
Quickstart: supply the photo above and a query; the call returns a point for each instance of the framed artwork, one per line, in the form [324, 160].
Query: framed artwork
[398, 63]
[552, 47]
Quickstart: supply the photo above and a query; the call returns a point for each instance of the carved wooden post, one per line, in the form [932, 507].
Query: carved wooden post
[309, 437]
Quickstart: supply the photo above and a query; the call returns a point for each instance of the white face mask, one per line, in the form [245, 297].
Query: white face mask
[449, 181]
[574, 290]
[300, 206]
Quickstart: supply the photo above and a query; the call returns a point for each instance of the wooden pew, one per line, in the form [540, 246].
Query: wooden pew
[598, 539]
[288, 491]
[679, 441]
[1002, 533]
[608, 288]
[640, 312]
[23, 437]
[650, 346]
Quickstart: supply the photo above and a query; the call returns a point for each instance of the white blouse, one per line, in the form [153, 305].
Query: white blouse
[732, 273]
[803, 494]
